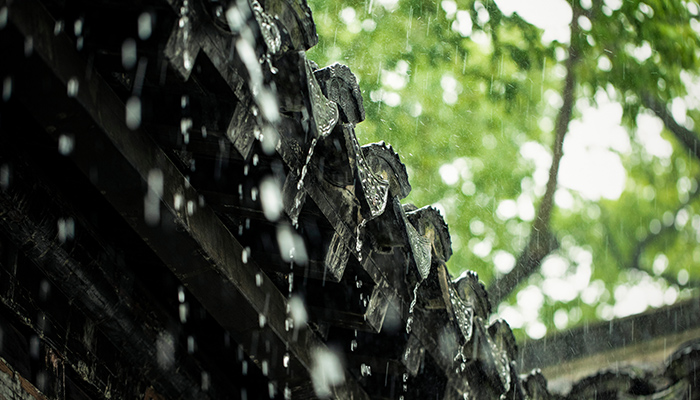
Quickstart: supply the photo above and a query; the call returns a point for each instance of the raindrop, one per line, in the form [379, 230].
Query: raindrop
[409, 321]
[151, 203]
[178, 199]
[365, 370]
[285, 360]
[4, 176]
[287, 390]
[204, 132]
[265, 367]
[44, 289]
[190, 207]
[206, 381]
[271, 199]
[145, 25]
[6, 88]
[271, 390]
[129, 53]
[133, 113]
[298, 311]
[353, 345]
[181, 294]
[3, 17]
[244, 368]
[183, 311]
[291, 245]
[269, 140]
[79, 43]
[66, 229]
[28, 46]
[65, 144]
[41, 380]
[244, 255]
[258, 279]
[254, 194]
[184, 101]
[358, 239]
[34, 346]
[255, 160]
[187, 59]
[72, 87]
[326, 372]
[185, 125]
[78, 27]
[190, 345]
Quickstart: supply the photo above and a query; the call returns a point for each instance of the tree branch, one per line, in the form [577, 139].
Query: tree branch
[684, 135]
[642, 244]
[542, 241]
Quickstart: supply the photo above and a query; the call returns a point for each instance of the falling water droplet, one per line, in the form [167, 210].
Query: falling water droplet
[205, 381]
[66, 229]
[78, 27]
[4, 177]
[28, 46]
[190, 345]
[6, 88]
[190, 207]
[3, 17]
[129, 53]
[181, 294]
[183, 311]
[178, 199]
[258, 279]
[145, 25]
[65, 144]
[133, 113]
[271, 199]
[365, 370]
[187, 59]
[72, 87]
[409, 321]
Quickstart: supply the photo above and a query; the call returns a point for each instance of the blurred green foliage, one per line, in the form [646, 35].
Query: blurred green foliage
[466, 93]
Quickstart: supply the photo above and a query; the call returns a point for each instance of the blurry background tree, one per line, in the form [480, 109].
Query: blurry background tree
[557, 138]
